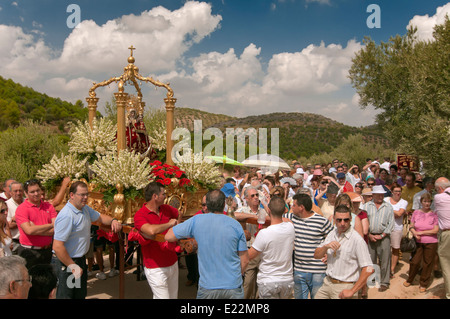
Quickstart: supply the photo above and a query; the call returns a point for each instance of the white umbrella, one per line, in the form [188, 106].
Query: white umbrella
[266, 161]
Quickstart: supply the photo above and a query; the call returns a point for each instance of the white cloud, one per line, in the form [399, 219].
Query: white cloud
[293, 82]
[161, 37]
[425, 24]
[236, 83]
[218, 72]
[316, 69]
[21, 56]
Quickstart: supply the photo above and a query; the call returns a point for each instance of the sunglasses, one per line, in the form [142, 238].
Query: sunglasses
[4, 211]
[371, 184]
[32, 181]
[203, 204]
[253, 195]
[360, 186]
[339, 220]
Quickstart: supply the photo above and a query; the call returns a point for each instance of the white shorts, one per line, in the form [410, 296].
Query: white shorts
[163, 281]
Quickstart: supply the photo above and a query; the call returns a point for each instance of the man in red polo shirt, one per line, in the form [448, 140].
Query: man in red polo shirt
[35, 220]
[160, 263]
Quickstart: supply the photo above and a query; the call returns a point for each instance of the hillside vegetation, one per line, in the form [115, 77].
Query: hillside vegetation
[20, 103]
[300, 134]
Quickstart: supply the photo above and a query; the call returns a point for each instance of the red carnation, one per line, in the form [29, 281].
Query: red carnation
[178, 174]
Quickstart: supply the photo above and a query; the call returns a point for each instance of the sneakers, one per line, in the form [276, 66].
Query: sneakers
[100, 275]
[113, 272]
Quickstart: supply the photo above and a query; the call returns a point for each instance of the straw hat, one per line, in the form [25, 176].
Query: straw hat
[354, 197]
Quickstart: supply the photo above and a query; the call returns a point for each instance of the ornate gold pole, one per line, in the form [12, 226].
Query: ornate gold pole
[121, 101]
[170, 123]
[92, 106]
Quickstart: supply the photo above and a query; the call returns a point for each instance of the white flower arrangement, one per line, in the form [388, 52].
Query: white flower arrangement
[95, 142]
[125, 168]
[63, 166]
[157, 136]
[199, 169]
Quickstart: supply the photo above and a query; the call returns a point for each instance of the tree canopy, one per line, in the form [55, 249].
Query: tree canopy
[20, 103]
[408, 79]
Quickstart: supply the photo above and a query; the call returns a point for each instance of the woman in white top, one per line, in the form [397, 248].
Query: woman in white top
[5, 234]
[399, 206]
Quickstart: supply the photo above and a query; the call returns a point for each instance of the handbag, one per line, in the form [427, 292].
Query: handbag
[408, 243]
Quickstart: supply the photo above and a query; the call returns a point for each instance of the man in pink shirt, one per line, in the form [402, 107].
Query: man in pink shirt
[442, 209]
[35, 220]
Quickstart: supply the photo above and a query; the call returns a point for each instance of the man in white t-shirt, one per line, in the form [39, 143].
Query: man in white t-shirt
[17, 196]
[275, 244]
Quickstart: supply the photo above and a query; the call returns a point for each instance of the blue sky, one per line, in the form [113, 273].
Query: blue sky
[233, 57]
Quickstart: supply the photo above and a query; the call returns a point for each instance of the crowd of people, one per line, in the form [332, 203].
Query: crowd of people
[43, 252]
[314, 231]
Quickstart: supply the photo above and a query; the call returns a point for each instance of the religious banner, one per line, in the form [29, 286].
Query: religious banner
[411, 162]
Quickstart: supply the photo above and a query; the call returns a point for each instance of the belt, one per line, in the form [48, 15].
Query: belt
[37, 247]
[335, 281]
[445, 229]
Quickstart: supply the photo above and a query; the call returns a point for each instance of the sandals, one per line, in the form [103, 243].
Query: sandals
[421, 289]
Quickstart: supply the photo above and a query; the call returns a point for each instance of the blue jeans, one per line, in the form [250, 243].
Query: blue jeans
[68, 286]
[307, 283]
[203, 293]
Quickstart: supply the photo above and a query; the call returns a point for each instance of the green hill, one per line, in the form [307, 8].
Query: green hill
[185, 117]
[300, 134]
[18, 103]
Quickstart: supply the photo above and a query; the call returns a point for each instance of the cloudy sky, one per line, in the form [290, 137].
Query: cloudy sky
[234, 57]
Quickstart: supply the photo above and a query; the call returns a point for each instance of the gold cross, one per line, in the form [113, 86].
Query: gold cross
[132, 48]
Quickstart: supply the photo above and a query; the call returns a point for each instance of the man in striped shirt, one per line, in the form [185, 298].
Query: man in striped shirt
[311, 229]
[381, 224]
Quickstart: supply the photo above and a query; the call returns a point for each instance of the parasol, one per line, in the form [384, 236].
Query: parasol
[266, 161]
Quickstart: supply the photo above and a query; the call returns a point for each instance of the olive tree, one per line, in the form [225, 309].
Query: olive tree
[409, 81]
